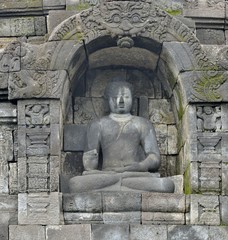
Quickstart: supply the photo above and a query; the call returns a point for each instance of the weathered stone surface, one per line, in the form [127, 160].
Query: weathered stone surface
[204, 210]
[136, 58]
[72, 163]
[172, 139]
[188, 232]
[201, 8]
[121, 217]
[33, 232]
[224, 209]
[220, 233]
[104, 232]
[163, 202]
[41, 84]
[8, 112]
[160, 111]
[79, 232]
[40, 26]
[162, 137]
[211, 36]
[4, 232]
[53, 3]
[74, 137]
[210, 177]
[82, 218]
[224, 178]
[82, 202]
[13, 178]
[171, 165]
[6, 154]
[145, 232]
[54, 173]
[215, 83]
[4, 80]
[57, 16]
[121, 201]
[179, 183]
[40, 208]
[23, 26]
[88, 109]
[8, 210]
[163, 218]
[55, 144]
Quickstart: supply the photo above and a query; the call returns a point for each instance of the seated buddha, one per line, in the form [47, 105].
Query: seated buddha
[128, 145]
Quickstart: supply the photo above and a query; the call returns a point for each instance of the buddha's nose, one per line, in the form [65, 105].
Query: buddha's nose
[121, 100]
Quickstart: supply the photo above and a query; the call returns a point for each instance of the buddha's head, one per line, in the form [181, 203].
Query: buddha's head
[119, 94]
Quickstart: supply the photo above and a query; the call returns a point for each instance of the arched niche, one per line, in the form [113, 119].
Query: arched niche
[142, 66]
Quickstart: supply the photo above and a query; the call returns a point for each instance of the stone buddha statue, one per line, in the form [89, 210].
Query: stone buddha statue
[129, 148]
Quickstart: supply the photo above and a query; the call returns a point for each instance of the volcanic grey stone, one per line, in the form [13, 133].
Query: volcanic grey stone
[121, 201]
[111, 232]
[146, 232]
[188, 233]
[79, 232]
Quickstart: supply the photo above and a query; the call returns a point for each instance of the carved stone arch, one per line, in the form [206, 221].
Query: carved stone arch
[124, 20]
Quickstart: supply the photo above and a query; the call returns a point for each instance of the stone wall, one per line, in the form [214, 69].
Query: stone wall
[54, 66]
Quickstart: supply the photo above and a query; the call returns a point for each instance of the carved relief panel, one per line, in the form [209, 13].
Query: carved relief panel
[39, 145]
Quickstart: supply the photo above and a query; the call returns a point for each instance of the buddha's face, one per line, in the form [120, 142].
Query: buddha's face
[121, 101]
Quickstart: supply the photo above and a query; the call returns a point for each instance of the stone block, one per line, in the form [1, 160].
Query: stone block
[82, 202]
[210, 176]
[160, 111]
[82, 218]
[40, 26]
[121, 217]
[224, 209]
[88, 109]
[220, 233]
[13, 178]
[8, 112]
[144, 107]
[145, 232]
[53, 3]
[205, 9]
[163, 218]
[111, 232]
[72, 163]
[16, 27]
[162, 137]
[163, 202]
[57, 16]
[55, 143]
[172, 139]
[39, 208]
[121, 201]
[211, 36]
[74, 137]
[33, 232]
[204, 210]
[171, 165]
[8, 210]
[178, 181]
[79, 232]
[4, 80]
[188, 232]
[54, 173]
[22, 171]
[224, 179]
[4, 232]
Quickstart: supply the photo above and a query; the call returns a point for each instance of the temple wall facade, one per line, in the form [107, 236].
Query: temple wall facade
[56, 58]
